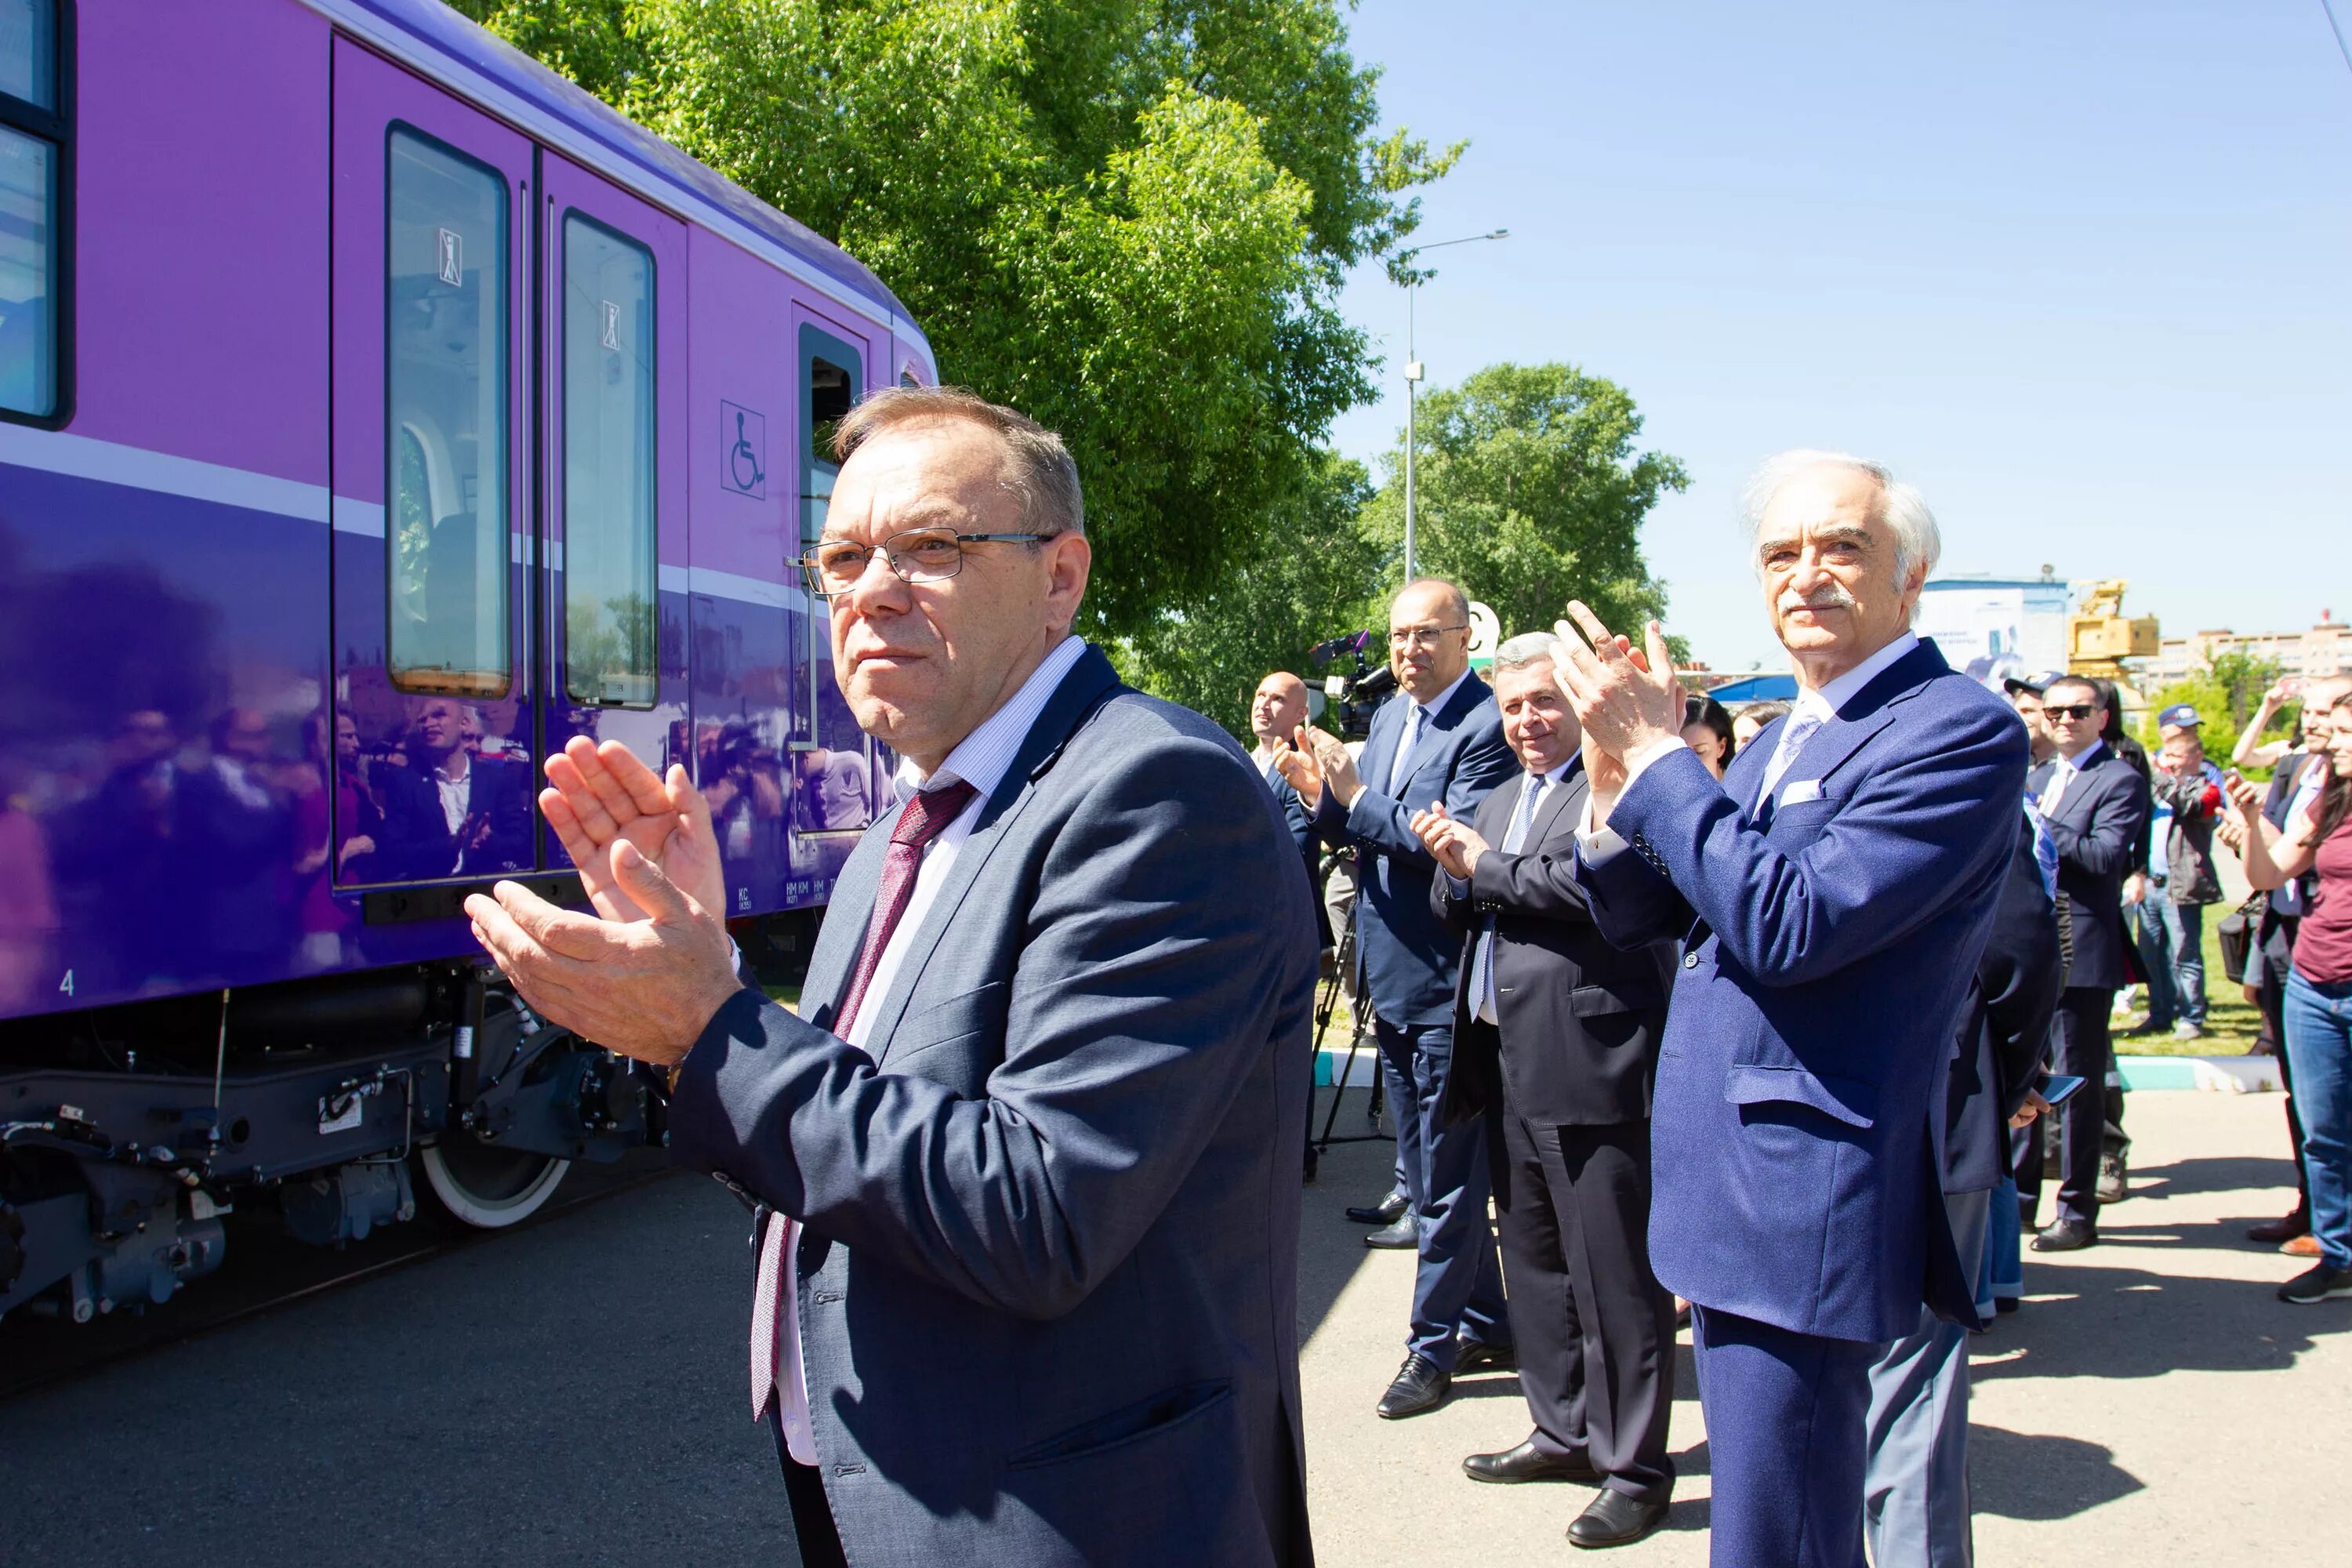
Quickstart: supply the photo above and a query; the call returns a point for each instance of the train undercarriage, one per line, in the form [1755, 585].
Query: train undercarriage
[126, 1132]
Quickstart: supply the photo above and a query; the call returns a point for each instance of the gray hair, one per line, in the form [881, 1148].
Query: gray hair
[1917, 542]
[1038, 468]
[1526, 648]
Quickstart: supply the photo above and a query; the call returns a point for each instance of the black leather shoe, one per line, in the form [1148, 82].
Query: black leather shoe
[2067, 1235]
[1421, 1384]
[1478, 1355]
[1388, 1211]
[1405, 1234]
[1529, 1463]
[1613, 1518]
[2278, 1230]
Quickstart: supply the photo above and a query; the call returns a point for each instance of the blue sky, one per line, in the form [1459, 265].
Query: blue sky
[2081, 270]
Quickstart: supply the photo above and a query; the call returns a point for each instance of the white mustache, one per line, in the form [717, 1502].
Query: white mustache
[1830, 598]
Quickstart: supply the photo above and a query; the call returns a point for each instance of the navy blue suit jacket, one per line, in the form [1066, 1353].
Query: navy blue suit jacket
[1405, 956]
[2099, 827]
[2005, 1028]
[1301, 826]
[1798, 1119]
[1048, 1292]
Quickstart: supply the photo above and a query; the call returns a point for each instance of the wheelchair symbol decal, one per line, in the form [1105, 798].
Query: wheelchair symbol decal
[744, 433]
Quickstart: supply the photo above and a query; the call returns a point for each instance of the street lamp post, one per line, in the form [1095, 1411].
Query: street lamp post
[1412, 372]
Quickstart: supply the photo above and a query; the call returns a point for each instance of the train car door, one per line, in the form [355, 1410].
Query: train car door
[835, 778]
[432, 481]
[613, 352]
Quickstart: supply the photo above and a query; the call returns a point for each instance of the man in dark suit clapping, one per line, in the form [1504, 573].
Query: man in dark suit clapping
[1556, 1043]
[1438, 741]
[2095, 807]
[1027, 1169]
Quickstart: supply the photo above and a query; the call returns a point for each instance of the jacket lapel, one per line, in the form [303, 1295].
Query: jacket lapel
[1379, 756]
[1090, 681]
[1566, 795]
[842, 934]
[1439, 723]
[1865, 713]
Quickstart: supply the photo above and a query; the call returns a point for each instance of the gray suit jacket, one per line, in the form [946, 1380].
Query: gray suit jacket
[1049, 1291]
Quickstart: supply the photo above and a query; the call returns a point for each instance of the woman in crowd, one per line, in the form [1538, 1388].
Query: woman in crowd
[2318, 1002]
[1751, 720]
[1706, 728]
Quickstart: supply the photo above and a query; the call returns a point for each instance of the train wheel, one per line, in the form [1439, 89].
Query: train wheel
[488, 1188]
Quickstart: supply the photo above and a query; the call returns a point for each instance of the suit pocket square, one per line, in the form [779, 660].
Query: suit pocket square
[1799, 792]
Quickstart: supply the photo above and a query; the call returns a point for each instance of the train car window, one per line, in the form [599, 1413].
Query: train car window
[29, 51]
[609, 594]
[32, 213]
[446, 330]
[832, 374]
[829, 401]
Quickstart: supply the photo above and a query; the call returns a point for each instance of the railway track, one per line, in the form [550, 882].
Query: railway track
[267, 1269]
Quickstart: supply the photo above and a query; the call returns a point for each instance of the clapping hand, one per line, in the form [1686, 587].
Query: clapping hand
[1626, 698]
[1317, 761]
[599, 795]
[646, 978]
[1455, 845]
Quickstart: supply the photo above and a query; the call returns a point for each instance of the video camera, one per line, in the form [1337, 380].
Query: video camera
[1354, 692]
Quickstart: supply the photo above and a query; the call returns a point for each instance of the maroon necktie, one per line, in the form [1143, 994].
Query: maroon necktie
[925, 816]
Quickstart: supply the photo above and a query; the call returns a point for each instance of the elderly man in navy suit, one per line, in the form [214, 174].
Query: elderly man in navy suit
[1832, 895]
[1439, 741]
[1026, 1173]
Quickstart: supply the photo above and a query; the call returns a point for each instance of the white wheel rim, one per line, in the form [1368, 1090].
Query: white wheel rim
[489, 1213]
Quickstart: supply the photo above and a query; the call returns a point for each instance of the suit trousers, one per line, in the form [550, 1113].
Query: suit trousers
[2085, 1050]
[816, 1541]
[1595, 1330]
[1458, 1288]
[1785, 1422]
[1916, 1502]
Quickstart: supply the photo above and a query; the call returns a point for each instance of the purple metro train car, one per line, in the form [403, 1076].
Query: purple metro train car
[378, 411]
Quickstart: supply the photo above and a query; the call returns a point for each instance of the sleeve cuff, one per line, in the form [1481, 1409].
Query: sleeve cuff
[1642, 759]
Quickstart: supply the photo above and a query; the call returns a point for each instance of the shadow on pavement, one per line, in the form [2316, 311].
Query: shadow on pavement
[2031, 1475]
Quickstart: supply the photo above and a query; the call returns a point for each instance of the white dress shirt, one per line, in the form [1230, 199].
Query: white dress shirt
[1599, 842]
[1418, 717]
[2063, 772]
[979, 760]
[1515, 838]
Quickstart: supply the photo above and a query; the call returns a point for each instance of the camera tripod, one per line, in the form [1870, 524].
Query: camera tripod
[1327, 1002]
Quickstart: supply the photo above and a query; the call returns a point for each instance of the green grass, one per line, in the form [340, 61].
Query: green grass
[2232, 1023]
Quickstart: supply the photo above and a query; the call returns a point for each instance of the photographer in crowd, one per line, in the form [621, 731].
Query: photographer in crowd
[2186, 789]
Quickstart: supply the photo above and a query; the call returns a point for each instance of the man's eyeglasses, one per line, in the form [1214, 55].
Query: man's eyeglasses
[919, 555]
[1420, 637]
[2077, 712]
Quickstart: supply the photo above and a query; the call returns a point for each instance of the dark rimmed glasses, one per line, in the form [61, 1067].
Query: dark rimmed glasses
[834, 566]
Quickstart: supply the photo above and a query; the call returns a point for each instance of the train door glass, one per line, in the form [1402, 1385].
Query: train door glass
[433, 702]
[613, 351]
[832, 761]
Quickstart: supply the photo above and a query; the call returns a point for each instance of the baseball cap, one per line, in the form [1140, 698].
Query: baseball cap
[2180, 716]
[2033, 683]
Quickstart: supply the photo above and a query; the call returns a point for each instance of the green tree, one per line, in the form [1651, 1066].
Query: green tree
[1310, 576]
[1529, 491]
[1128, 219]
[2225, 694]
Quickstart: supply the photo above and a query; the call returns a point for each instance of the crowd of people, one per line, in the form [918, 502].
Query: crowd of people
[1519, 1044]
[1763, 1021]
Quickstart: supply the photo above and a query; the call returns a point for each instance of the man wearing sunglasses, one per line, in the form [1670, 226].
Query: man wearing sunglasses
[2095, 807]
[1024, 1173]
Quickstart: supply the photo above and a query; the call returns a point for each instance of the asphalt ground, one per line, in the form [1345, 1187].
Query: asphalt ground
[573, 1393]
